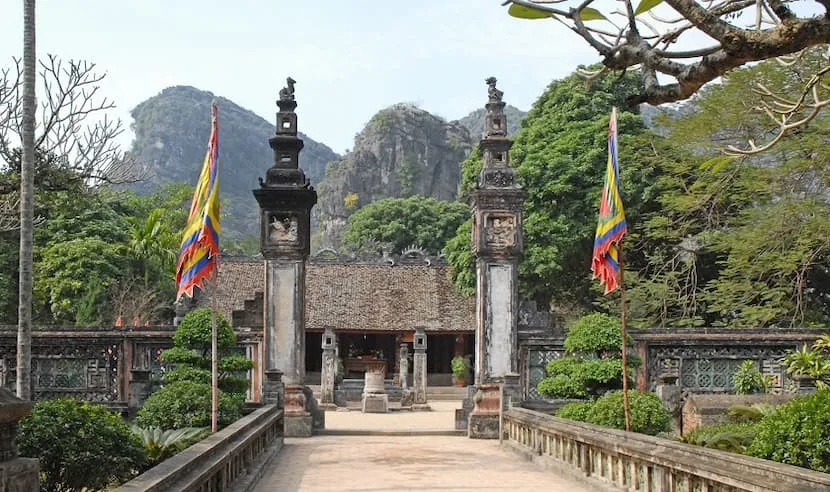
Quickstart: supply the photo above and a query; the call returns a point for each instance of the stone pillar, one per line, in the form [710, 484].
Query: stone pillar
[497, 245]
[404, 363]
[15, 473]
[329, 368]
[139, 388]
[419, 371]
[672, 397]
[285, 200]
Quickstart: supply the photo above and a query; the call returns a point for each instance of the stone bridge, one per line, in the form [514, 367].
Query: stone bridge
[422, 451]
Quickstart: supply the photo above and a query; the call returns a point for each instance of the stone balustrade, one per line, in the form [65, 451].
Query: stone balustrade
[221, 460]
[615, 460]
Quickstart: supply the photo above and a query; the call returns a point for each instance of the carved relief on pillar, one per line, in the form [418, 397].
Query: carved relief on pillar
[282, 228]
[499, 178]
[500, 230]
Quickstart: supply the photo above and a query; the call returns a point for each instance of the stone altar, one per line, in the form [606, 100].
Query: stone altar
[375, 399]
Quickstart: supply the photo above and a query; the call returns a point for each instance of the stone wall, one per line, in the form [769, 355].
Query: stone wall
[118, 366]
[703, 410]
[702, 359]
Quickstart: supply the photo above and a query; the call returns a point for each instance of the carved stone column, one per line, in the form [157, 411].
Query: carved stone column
[329, 368]
[497, 244]
[419, 371]
[15, 473]
[404, 361]
[285, 199]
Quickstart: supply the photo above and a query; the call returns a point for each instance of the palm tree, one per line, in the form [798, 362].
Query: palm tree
[27, 192]
[152, 242]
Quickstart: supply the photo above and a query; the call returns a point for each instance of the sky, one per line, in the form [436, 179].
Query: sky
[351, 58]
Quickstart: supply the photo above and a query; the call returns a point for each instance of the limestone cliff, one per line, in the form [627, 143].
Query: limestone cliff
[402, 151]
[474, 122]
[171, 134]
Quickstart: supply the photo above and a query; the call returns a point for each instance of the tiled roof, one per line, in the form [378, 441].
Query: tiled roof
[360, 297]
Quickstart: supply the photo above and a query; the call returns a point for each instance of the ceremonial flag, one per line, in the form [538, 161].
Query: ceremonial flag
[200, 243]
[611, 226]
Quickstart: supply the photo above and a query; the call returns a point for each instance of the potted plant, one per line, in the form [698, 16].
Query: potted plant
[459, 367]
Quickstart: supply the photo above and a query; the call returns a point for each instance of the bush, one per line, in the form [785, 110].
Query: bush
[80, 445]
[648, 414]
[593, 365]
[594, 333]
[189, 381]
[187, 404]
[162, 444]
[797, 434]
[733, 437]
[748, 379]
[577, 410]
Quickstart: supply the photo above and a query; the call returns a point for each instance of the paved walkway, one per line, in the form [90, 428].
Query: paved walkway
[399, 463]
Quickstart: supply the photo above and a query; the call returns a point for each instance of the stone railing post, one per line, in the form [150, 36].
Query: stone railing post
[273, 390]
[140, 387]
[671, 395]
[15, 473]
[329, 368]
[419, 376]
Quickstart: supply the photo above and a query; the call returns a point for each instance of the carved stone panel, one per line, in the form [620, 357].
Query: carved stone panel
[500, 230]
[283, 229]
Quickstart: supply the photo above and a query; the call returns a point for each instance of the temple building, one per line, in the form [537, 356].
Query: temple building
[373, 303]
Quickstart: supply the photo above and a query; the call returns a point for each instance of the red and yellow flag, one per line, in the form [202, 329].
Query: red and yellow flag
[612, 226]
[199, 252]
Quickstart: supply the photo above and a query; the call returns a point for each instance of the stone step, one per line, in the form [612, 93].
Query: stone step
[390, 432]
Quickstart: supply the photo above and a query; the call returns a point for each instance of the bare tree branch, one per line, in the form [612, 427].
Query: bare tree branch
[73, 125]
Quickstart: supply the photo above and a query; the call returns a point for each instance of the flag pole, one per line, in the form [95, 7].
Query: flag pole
[214, 338]
[214, 366]
[624, 336]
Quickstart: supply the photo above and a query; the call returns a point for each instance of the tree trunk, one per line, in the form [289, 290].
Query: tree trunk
[27, 192]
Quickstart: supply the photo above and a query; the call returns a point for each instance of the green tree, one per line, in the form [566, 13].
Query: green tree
[80, 445]
[560, 154]
[402, 222]
[739, 241]
[184, 400]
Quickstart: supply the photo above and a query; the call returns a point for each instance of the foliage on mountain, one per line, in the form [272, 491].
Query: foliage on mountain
[474, 122]
[398, 223]
[171, 132]
[742, 241]
[403, 151]
[561, 154]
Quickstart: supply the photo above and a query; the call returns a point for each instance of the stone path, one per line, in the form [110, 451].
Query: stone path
[399, 463]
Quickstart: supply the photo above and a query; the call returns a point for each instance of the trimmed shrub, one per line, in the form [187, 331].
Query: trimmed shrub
[187, 404]
[648, 414]
[577, 410]
[593, 365]
[797, 434]
[80, 445]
